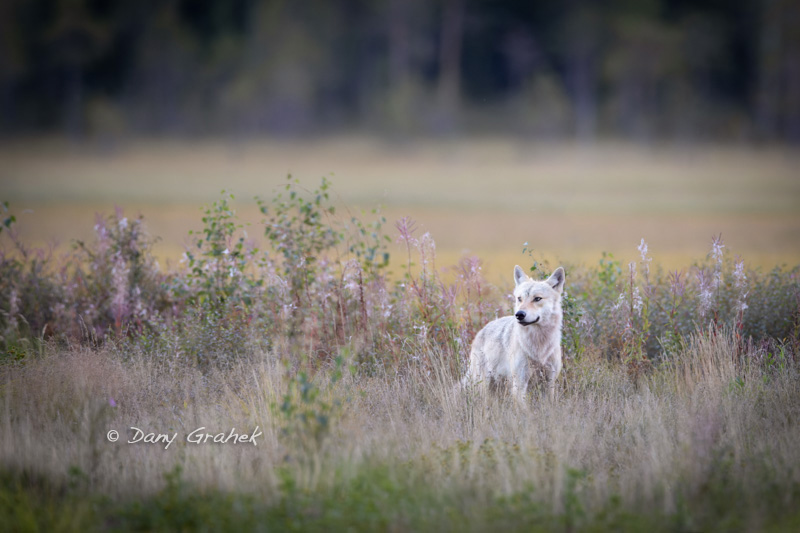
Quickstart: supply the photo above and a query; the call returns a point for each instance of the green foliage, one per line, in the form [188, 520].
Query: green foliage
[218, 260]
[301, 232]
[368, 244]
[609, 272]
[642, 316]
[31, 502]
[181, 507]
[306, 418]
[322, 288]
[774, 305]
[383, 496]
[8, 219]
[220, 293]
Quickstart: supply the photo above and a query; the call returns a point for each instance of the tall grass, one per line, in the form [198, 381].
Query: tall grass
[677, 408]
[705, 442]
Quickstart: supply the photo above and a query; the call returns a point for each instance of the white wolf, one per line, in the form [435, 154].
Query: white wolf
[518, 348]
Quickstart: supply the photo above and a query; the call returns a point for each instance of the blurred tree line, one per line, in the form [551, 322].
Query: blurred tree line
[642, 69]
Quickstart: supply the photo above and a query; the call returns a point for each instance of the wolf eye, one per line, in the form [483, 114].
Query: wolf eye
[537, 299]
[519, 298]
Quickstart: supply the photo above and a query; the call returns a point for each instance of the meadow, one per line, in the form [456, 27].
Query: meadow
[484, 196]
[333, 336]
[708, 443]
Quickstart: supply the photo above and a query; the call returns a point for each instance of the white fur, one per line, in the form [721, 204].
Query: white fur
[513, 348]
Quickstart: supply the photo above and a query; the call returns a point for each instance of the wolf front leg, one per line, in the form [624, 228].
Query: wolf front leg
[552, 374]
[519, 384]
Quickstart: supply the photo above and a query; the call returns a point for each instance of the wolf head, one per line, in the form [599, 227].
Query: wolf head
[538, 302]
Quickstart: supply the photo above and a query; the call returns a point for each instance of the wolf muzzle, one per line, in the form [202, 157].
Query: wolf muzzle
[521, 319]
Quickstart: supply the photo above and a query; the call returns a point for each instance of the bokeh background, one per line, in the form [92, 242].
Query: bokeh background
[576, 126]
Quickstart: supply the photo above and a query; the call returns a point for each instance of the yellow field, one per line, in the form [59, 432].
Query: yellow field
[484, 196]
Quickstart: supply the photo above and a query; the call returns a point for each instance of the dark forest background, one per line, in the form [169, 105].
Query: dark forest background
[635, 69]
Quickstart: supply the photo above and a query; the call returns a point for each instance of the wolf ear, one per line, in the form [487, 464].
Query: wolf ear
[556, 280]
[519, 275]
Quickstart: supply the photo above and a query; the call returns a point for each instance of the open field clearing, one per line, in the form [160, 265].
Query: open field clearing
[485, 197]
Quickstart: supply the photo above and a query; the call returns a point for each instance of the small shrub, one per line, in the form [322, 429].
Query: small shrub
[116, 286]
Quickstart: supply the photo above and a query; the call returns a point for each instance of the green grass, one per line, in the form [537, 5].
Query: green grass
[372, 502]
